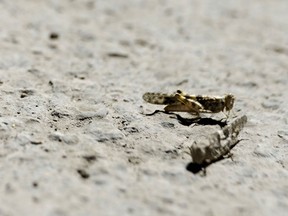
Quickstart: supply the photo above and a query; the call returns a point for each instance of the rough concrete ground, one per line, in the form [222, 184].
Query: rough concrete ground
[74, 140]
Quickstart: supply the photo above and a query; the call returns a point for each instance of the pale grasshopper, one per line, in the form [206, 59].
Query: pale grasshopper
[217, 144]
[194, 104]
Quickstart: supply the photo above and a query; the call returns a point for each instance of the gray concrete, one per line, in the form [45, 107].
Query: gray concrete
[73, 137]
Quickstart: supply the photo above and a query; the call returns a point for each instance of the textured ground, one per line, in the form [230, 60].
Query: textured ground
[74, 140]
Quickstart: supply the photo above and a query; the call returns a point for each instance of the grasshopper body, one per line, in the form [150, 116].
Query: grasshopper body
[195, 104]
[217, 144]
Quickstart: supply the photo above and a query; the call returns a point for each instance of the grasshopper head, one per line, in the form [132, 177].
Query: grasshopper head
[180, 92]
[229, 101]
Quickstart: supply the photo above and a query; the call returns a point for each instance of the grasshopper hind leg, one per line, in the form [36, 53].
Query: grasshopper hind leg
[183, 104]
[190, 105]
[179, 108]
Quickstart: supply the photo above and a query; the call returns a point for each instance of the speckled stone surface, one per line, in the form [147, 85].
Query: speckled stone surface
[74, 139]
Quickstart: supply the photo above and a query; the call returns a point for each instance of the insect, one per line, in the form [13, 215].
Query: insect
[217, 144]
[194, 104]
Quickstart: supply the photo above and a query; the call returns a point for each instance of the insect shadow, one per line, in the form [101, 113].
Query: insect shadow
[190, 121]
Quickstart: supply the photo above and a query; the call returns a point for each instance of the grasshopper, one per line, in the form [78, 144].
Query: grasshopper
[194, 104]
[217, 144]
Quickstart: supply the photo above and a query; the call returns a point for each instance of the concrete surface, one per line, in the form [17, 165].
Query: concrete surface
[73, 136]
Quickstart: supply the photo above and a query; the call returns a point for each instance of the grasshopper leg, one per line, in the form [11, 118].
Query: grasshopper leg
[190, 105]
[177, 107]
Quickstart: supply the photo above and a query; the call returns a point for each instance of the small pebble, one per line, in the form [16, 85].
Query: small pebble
[283, 135]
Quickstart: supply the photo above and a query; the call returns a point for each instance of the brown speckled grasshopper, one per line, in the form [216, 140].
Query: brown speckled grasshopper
[194, 104]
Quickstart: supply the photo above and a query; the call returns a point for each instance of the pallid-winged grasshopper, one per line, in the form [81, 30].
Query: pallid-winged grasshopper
[217, 144]
[194, 104]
